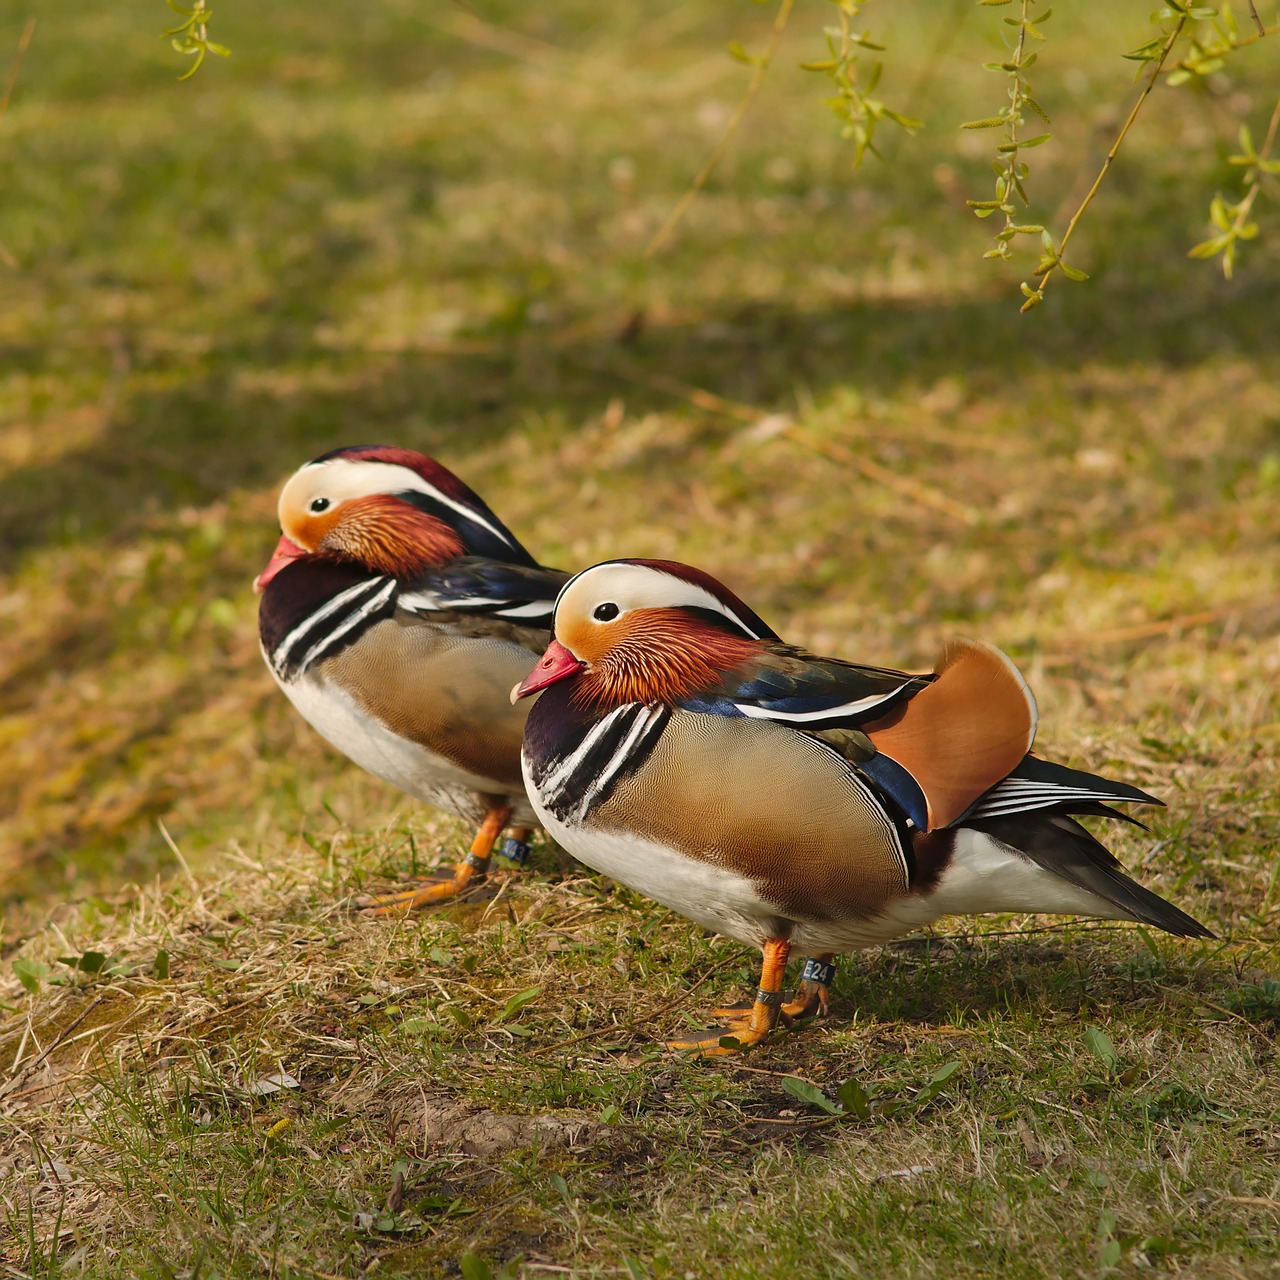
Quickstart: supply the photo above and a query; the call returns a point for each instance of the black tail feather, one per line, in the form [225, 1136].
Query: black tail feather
[1033, 769]
[1059, 844]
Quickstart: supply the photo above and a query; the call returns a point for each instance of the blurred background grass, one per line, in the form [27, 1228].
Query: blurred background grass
[426, 225]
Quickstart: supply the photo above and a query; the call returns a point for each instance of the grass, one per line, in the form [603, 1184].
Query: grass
[375, 223]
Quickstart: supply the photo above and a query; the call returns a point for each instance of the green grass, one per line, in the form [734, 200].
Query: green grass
[377, 222]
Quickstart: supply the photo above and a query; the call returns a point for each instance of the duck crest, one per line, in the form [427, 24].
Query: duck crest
[419, 483]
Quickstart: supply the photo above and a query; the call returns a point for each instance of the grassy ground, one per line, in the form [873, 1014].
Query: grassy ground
[385, 222]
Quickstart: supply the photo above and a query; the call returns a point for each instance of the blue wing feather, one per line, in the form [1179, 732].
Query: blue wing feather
[806, 692]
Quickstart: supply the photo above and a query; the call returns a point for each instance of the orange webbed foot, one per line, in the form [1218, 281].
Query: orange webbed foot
[447, 887]
[465, 878]
[749, 1024]
[741, 1031]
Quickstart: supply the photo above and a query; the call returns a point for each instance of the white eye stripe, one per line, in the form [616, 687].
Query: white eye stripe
[638, 586]
[361, 477]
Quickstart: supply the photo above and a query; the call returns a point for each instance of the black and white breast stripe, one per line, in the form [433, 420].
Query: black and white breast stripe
[333, 626]
[614, 747]
[1022, 795]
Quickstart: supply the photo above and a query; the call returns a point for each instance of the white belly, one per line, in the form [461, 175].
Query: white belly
[418, 772]
[984, 876]
[717, 899]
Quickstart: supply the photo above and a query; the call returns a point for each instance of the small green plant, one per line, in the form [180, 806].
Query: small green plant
[1099, 1044]
[1230, 219]
[1115, 1246]
[855, 1102]
[474, 1267]
[191, 36]
[1011, 170]
[855, 84]
[1258, 1001]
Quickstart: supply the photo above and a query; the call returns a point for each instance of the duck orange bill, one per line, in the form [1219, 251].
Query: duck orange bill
[554, 665]
[285, 552]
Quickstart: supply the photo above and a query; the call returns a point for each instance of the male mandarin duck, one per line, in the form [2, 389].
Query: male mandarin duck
[395, 613]
[801, 803]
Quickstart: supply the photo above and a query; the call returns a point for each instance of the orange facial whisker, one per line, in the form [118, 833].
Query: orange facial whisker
[391, 536]
[663, 655]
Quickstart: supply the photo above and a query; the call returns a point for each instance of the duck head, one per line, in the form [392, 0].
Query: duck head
[390, 510]
[644, 631]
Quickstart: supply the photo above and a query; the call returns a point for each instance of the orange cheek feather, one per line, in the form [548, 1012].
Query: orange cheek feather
[661, 655]
[380, 532]
[394, 537]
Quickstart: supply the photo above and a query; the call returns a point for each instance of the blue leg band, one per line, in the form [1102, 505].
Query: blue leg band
[515, 851]
[818, 971]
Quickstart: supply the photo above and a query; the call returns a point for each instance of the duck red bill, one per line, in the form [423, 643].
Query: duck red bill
[285, 552]
[554, 665]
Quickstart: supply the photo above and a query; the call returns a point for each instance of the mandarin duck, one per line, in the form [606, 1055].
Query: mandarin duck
[395, 613]
[801, 803]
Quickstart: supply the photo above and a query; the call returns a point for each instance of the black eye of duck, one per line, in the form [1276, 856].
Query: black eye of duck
[318, 505]
[605, 612]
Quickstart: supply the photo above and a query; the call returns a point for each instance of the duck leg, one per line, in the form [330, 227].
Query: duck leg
[810, 1000]
[752, 1024]
[515, 848]
[468, 873]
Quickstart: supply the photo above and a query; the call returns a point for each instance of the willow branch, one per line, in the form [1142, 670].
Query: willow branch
[757, 79]
[1106, 164]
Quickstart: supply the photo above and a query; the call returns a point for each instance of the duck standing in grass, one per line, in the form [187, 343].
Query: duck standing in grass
[395, 613]
[801, 803]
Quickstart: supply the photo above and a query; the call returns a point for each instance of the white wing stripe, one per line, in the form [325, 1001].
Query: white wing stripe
[429, 601]
[419, 600]
[537, 609]
[844, 710]
[1024, 800]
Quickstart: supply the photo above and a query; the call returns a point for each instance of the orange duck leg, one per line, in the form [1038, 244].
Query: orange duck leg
[470, 872]
[750, 1025]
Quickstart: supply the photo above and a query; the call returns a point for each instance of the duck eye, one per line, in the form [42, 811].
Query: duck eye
[605, 612]
[318, 505]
